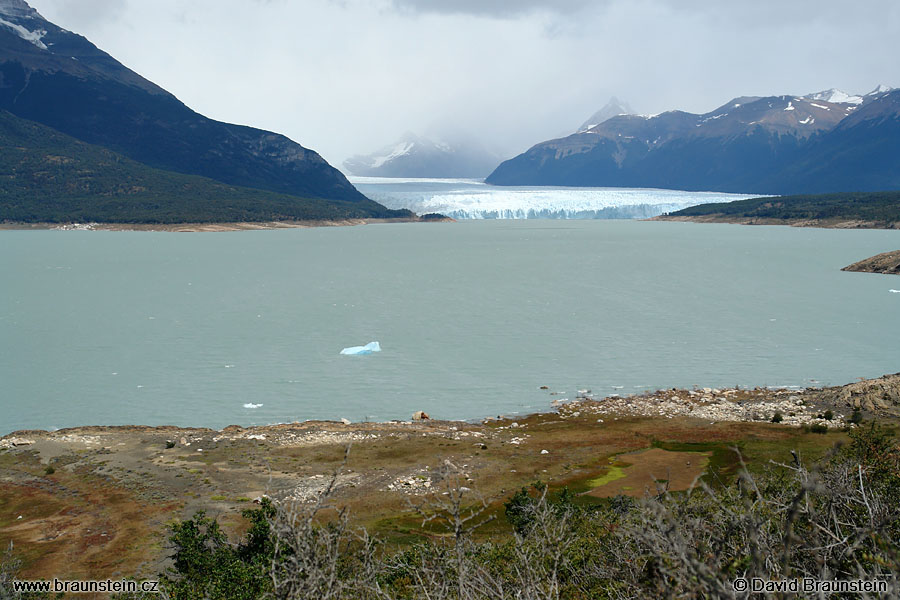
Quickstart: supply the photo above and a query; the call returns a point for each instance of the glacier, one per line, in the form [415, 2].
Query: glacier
[472, 199]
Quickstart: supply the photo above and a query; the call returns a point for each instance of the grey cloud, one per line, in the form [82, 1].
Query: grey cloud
[349, 76]
[83, 14]
[500, 9]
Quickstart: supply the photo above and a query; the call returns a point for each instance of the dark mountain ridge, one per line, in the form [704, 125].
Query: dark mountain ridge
[59, 79]
[49, 177]
[769, 145]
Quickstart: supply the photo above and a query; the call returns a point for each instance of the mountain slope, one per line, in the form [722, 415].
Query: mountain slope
[416, 156]
[770, 145]
[58, 78]
[51, 177]
[862, 153]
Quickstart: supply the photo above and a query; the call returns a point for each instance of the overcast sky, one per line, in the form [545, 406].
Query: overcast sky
[349, 76]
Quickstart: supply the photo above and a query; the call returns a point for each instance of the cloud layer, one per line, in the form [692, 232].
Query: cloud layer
[349, 76]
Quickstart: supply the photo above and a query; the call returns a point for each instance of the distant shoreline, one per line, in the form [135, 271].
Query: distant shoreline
[212, 227]
[817, 223]
[846, 210]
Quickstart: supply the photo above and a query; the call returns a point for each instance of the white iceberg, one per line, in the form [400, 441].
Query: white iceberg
[359, 350]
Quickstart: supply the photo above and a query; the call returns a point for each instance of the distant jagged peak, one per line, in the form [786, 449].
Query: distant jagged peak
[613, 108]
[18, 9]
[880, 89]
[835, 96]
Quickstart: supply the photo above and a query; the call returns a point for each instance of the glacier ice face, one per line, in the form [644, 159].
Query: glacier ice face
[471, 199]
[361, 350]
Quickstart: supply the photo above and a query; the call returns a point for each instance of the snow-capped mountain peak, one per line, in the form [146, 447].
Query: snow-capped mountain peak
[836, 96]
[613, 108]
[400, 149]
[422, 156]
[881, 89]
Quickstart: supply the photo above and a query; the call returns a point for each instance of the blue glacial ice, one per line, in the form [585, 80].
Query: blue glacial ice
[470, 199]
[359, 350]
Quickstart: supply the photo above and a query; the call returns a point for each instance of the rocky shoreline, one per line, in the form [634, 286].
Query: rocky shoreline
[886, 262]
[89, 502]
[213, 227]
[875, 397]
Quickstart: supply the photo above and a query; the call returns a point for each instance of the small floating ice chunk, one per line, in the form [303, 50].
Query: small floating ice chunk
[894, 291]
[360, 350]
[251, 405]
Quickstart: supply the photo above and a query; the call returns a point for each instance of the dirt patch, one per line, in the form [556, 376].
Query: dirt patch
[634, 474]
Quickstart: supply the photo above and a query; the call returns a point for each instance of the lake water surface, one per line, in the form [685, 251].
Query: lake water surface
[187, 328]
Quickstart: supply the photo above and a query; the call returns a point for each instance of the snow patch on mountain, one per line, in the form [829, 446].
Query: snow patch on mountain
[31, 36]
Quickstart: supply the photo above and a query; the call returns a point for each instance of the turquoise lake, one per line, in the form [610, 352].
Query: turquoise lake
[187, 328]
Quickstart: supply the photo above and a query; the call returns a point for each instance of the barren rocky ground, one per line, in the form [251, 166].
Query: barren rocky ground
[94, 502]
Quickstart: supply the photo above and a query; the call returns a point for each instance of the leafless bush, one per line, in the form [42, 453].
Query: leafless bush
[541, 552]
[318, 554]
[9, 567]
[839, 520]
[793, 522]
